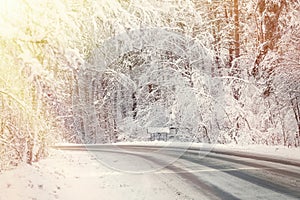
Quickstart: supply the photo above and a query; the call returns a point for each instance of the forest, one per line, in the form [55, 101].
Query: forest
[103, 71]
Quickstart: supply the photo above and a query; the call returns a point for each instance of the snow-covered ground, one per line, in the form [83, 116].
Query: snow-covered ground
[78, 175]
[70, 175]
[274, 151]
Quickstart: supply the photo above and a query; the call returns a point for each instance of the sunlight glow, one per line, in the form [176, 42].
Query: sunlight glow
[11, 17]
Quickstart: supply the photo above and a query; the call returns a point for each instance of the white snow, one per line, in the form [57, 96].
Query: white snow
[75, 175]
[273, 151]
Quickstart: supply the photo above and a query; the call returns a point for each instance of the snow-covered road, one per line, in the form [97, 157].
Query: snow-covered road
[140, 172]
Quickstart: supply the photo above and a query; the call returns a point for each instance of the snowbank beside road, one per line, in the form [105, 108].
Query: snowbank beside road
[281, 152]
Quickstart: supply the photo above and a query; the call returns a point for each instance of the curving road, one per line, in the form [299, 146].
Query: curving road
[187, 173]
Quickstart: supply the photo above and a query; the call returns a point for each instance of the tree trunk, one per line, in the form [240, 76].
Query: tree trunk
[236, 28]
[134, 105]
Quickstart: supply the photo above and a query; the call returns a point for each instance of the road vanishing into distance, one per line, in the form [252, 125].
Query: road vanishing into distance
[190, 173]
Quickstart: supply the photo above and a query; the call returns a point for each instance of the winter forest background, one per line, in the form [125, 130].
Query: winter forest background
[103, 71]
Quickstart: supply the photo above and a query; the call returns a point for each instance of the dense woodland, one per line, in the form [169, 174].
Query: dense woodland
[105, 70]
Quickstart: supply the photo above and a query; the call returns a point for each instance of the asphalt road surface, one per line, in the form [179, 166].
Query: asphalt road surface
[197, 173]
